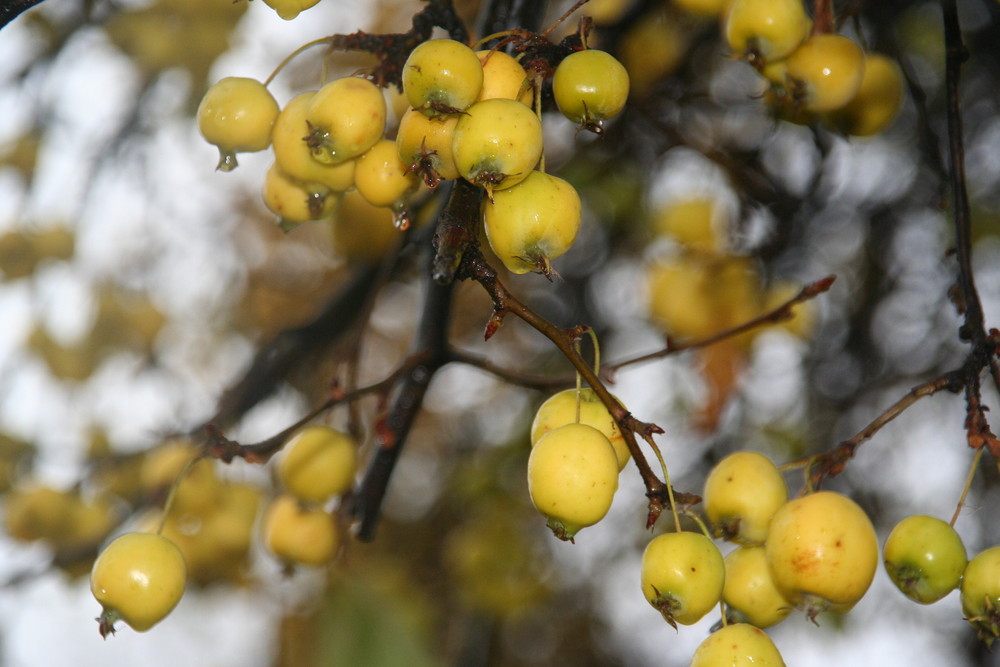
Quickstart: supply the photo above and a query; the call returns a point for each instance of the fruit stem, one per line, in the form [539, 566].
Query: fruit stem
[597, 351]
[173, 492]
[579, 383]
[670, 488]
[968, 485]
[293, 55]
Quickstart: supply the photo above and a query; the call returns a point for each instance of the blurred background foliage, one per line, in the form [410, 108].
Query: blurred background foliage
[137, 285]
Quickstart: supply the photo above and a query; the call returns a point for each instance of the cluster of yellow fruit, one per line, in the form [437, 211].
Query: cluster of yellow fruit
[577, 452]
[700, 288]
[823, 77]
[205, 532]
[814, 553]
[470, 117]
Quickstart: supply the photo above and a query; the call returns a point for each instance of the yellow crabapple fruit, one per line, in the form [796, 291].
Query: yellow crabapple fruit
[822, 551]
[653, 48]
[589, 87]
[572, 478]
[503, 77]
[980, 594]
[295, 202]
[682, 576]
[236, 115]
[562, 408]
[289, 9]
[298, 534]
[381, 177]
[825, 72]
[36, 512]
[737, 645]
[924, 557]
[442, 77]
[425, 146]
[877, 102]
[696, 222]
[138, 578]
[497, 143]
[765, 30]
[293, 156]
[361, 232]
[803, 320]
[749, 591]
[318, 462]
[346, 117]
[715, 8]
[742, 492]
[532, 223]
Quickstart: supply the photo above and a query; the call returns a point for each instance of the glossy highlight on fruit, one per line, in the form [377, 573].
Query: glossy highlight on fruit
[682, 576]
[442, 77]
[572, 478]
[532, 223]
[561, 409]
[737, 645]
[924, 557]
[822, 551]
[742, 492]
[236, 114]
[825, 72]
[877, 102]
[318, 463]
[497, 143]
[138, 578]
[589, 87]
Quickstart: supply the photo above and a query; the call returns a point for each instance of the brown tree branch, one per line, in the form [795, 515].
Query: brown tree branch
[783, 312]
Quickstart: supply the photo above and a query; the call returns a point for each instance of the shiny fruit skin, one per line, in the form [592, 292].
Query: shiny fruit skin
[561, 409]
[924, 557]
[504, 78]
[497, 143]
[737, 645]
[682, 576]
[138, 578]
[298, 534]
[295, 202]
[318, 463]
[442, 77]
[822, 551]
[877, 102]
[381, 177]
[533, 222]
[749, 590]
[981, 582]
[825, 72]
[425, 146]
[590, 86]
[572, 477]
[765, 30]
[742, 492]
[347, 117]
[292, 154]
[236, 114]
[289, 9]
